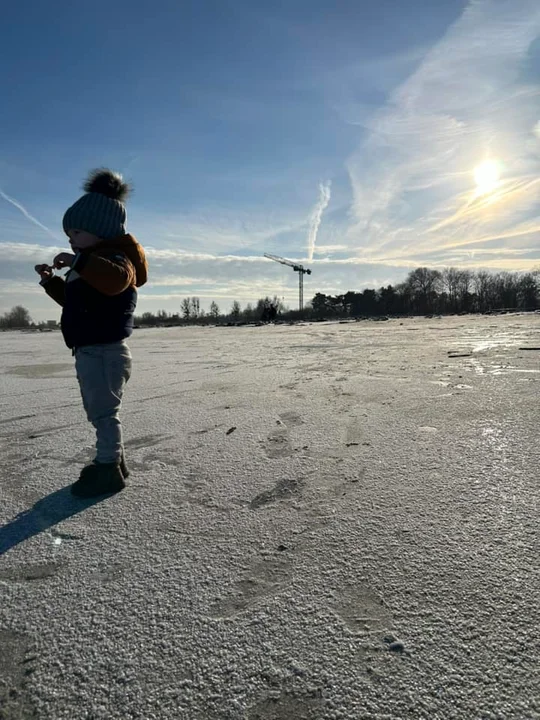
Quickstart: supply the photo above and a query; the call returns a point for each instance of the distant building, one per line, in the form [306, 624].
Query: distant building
[52, 323]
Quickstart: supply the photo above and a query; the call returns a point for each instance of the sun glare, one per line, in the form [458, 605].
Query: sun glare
[487, 177]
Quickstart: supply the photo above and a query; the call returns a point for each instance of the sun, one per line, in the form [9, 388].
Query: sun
[487, 177]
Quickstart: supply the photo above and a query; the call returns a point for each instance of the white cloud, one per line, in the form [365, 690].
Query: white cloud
[330, 249]
[316, 216]
[28, 252]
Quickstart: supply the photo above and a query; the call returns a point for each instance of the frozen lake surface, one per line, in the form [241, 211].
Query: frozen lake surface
[327, 521]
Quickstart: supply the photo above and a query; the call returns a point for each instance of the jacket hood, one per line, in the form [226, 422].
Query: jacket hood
[133, 250]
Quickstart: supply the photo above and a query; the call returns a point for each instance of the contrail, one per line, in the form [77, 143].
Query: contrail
[27, 215]
[316, 216]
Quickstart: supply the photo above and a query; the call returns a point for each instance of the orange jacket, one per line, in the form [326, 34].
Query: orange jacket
[110, 268]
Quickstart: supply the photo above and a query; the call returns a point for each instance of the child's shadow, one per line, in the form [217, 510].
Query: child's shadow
[46, 513]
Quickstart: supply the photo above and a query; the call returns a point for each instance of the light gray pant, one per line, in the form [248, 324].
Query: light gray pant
[102, 372]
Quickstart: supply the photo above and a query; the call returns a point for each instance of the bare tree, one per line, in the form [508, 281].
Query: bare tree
[464, 290]
[425, 283]
[214, 310]
[186, 308]
[450, 278]
[482, 281]
[424, 280]
[249, 312]
[506, 289]
[236, 310]
[528, 291]
[195, 307]
[17, 317]
[279, 304]
[147, 318]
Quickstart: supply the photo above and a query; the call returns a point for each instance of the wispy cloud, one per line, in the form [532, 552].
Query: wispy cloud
[469, 100]
[27, 215]
[316, 216]
[176, 273]
[330, 249]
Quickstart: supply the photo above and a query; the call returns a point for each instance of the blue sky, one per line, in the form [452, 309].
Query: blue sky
[345, 134]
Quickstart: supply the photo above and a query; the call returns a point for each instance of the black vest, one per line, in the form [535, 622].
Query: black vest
[92, 318]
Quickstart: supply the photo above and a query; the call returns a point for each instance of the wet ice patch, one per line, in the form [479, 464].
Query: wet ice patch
[40, 371]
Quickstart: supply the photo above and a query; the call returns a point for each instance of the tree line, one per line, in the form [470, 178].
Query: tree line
[191, 313]
[424, 292]
[430, 292]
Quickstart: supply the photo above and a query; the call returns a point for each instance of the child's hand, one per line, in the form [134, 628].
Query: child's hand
[63, 260]
[45, 271]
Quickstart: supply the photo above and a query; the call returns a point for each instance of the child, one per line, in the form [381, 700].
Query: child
[98, 299]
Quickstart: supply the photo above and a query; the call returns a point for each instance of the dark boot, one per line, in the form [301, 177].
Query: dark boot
[99, 479]
[126, 472]
[123, 467]
[87, 469]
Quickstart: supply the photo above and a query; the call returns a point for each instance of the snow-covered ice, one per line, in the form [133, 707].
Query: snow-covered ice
[364, 543]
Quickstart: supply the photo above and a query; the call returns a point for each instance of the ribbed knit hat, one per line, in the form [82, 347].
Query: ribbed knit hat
[101, 210]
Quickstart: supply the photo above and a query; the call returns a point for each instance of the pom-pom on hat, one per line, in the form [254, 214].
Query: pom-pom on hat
[101, 210]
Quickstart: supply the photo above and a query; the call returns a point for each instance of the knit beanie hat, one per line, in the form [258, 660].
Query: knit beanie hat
[101, 210]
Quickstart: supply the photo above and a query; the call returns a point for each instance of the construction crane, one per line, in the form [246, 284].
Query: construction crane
[300, 269]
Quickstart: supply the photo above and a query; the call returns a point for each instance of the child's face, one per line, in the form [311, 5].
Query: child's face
[82, 240]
